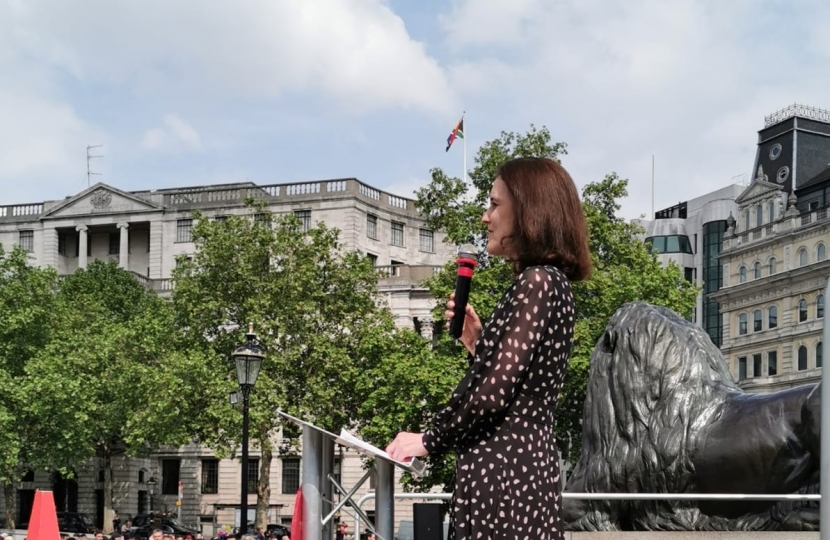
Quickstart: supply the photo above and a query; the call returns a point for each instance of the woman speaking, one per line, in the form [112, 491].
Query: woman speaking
[500, 417]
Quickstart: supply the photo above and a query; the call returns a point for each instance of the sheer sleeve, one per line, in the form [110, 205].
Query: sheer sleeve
[504, 353]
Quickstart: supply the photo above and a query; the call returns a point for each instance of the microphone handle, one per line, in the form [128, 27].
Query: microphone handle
[462, 295]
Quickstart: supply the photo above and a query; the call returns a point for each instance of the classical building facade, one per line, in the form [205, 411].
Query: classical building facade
[145, 231]
[774, 256]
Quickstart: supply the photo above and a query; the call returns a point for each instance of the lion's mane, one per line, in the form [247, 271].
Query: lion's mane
[656, 380]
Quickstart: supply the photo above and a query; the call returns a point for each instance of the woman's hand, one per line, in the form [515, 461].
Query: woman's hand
[472, 324]
[407, 445]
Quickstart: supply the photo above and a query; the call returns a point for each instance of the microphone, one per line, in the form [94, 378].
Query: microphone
[467, 261]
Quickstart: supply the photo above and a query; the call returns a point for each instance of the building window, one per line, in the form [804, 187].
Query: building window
[26, 240]
[757, 370]
[756, 270]
[771, 211]
[372, 258]
[742, 274]
[115, 244]
[802, 257]
[772, 317]
[290, 475]
[397, 234]
[759, 216]
[220, 219]
[802, 310]
[802, 358]
[772, 363]
[372, 226]
[821, 252]
[427, 239]
[742, 368]
[742, 324]
[210, 476]
[141, 477]
[253, 474]
[305, 219]
[820, 306]
[690, 274]
[712, 275]
[170, 476]
[184, 230]
[62, 244]
[757, 320]
[819, 353]
[746, 220]
[773, 266]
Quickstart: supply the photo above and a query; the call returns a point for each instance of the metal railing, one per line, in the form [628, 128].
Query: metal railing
[619, 497]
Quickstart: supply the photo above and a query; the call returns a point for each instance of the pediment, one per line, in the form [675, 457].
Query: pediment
[101, 199]
[758, 189]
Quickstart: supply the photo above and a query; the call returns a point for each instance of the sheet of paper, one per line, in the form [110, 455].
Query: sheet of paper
[347, 439]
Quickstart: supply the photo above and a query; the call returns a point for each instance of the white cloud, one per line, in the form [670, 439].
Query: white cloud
[356, 53]
[688, 81]
[41, 139]
[174, 135]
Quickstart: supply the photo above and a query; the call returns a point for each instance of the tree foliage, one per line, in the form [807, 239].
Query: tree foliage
[314, 308]
[27, 299]
[82, 391]
[624, 269]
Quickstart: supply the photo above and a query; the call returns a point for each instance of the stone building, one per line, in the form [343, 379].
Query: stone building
[690, 234]
[145, 231]
[774, 256]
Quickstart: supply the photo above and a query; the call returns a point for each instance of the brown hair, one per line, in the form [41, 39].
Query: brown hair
[550, 223]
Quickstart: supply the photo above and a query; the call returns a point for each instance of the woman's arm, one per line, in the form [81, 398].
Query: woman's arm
[497, 373]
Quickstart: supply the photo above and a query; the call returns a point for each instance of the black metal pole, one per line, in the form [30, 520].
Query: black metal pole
[243, 505]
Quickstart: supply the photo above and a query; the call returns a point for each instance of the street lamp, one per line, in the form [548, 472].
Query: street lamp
[151, 487]
[247, 359]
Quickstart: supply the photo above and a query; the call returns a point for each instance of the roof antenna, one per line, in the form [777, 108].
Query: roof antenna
[89, 158]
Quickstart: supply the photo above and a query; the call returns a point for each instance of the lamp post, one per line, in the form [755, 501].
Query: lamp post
[247, 359]
[151, 487]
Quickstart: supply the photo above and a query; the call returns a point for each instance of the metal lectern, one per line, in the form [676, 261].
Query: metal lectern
[318, 481]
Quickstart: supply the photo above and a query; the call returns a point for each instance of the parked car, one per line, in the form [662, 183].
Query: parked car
[143, 525]
[279, 529]
[76, 523]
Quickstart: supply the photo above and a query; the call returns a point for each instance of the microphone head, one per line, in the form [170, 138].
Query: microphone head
[468, 251]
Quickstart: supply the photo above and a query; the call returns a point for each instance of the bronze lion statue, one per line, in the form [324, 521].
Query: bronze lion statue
[662, 415]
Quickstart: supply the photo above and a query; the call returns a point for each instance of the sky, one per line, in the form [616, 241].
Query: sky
[274, 91]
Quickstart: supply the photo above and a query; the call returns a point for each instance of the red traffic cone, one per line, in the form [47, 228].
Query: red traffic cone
[43, 524]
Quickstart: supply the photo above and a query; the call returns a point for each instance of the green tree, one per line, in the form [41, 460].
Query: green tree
[27, 298]
[87, 386]
[315, 309]
[624, 269]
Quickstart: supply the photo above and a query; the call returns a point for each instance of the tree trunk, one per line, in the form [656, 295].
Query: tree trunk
[108, 510]
[263, 487]
[8, 496]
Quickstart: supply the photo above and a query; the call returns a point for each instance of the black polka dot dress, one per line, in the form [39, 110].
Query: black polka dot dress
[500, 417]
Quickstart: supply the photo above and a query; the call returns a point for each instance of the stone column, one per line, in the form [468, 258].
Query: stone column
[124, 250]
[49, 255]
[82, 245]
[156, 230]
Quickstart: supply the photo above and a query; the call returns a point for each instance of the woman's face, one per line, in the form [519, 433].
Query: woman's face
[500, 219]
